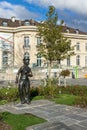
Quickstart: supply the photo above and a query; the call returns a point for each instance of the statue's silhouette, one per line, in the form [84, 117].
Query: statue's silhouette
[22, 78]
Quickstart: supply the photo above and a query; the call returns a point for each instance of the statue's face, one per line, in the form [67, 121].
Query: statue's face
[26, 61]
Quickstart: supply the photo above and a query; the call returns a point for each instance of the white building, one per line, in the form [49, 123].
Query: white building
[18, 37]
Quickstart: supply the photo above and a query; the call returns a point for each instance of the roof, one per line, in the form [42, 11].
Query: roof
[9, 23]
[67, 29]
[16, 23]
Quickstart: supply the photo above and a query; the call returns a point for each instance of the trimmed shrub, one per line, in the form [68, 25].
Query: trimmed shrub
[9, 94]
[81, 101]
[65, 73]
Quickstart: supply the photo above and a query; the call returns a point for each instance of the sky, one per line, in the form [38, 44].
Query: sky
[73, 12]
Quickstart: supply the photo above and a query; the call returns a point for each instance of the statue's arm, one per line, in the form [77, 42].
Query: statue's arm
[17, 75]
[30, 74]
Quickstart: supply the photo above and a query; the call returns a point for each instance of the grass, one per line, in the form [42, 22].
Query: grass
[65, 99]
[20, 121]
[2, 102]
[38, 98]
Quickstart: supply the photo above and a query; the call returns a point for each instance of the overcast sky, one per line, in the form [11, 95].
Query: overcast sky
[73, 12]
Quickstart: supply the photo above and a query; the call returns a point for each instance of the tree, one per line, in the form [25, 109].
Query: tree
[65, 73]
[55, 46]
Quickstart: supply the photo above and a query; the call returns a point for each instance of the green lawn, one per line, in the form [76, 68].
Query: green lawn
[38, 98]
[2, 102]
[60, 99]
[20, 121]
[65, 99]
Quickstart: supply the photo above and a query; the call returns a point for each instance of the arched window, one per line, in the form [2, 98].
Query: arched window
[78, 46]
[78, 60]
[38, 60]
[4, 24]
[77, 31]
[38, 40]
[26, 53]
[26, 41]
[4, 58]
[26, 22]
[68, 61]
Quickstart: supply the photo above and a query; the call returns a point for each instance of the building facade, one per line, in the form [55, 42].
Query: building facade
[19, 38]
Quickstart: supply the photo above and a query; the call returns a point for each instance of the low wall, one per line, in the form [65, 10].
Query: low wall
[10, 75]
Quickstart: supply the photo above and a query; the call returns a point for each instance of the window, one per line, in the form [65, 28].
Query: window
[26, 54]
[4, 24]
[39, 60]
[77, 31]
[78, 46]
[78, 60]
[67, 30]
[26, 41]
[85, 60]
[68, 61]
[6, 46]
[38, 40]
[85, 46]
[4, 58]
[26, 23]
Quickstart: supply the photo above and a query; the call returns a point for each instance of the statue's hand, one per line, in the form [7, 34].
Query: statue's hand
[30, 75]
[16, 81]
[17, 78]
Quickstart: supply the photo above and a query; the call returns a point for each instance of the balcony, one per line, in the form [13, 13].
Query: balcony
[26, 47]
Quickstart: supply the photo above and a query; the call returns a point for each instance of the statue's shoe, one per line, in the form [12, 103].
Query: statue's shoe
[28, 102]
[22, 102]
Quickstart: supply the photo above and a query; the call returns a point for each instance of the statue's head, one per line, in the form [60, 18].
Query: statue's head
[26, 60]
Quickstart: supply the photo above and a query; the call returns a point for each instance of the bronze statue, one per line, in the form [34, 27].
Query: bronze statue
[22, 78]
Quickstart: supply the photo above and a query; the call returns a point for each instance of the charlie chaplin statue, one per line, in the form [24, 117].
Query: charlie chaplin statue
[22, 78]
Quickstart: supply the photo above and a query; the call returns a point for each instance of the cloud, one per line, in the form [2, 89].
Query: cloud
[7, 10]
[73, 12]
[76, 14]
[79, 6]
[73, 20]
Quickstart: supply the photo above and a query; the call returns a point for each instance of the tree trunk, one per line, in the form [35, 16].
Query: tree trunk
[64, 82]
[49, 72]
[59, 70]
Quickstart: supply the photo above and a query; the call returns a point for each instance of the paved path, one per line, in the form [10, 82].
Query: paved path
[59, 117]
[78, 81]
